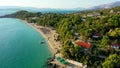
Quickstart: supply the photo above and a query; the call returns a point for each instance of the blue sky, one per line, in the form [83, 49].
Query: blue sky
[55, 3]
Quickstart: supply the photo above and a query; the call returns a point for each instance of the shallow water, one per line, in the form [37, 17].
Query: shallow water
[20, 45]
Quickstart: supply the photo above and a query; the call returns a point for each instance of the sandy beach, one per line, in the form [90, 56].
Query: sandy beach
[48, 34]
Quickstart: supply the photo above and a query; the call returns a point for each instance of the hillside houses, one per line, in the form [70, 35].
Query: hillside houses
[97, 35]
[116, 46]
[83, 44]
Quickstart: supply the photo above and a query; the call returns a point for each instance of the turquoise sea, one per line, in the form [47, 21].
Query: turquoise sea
[20, 45]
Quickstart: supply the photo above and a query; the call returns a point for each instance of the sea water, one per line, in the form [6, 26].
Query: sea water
[20, 45]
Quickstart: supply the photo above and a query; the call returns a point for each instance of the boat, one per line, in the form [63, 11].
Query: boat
[42, 42]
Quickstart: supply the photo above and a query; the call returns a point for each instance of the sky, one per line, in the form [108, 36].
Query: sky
[55, 3]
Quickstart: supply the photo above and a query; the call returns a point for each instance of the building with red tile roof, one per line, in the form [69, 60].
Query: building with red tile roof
[83, 44]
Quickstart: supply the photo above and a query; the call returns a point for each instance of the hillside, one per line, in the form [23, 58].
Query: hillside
[89, 37]
[105, 6]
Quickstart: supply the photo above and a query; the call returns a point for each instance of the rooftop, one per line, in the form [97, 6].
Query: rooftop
[83, 44]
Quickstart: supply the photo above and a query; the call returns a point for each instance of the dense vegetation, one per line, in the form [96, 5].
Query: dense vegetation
[84, 24]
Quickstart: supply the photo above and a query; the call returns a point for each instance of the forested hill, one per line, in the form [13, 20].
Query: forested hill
[23, 14]
[100, 28]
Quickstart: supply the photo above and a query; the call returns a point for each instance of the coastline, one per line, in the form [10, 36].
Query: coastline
[47, 36]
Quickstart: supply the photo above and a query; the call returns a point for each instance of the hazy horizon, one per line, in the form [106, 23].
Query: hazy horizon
[64, 4]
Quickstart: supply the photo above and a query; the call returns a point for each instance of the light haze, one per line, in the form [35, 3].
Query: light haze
[55, 3]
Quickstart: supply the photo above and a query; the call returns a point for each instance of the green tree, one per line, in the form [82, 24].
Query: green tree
[112, 61]
[105, 40]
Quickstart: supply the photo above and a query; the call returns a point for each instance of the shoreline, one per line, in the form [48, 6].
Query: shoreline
[47, 37]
